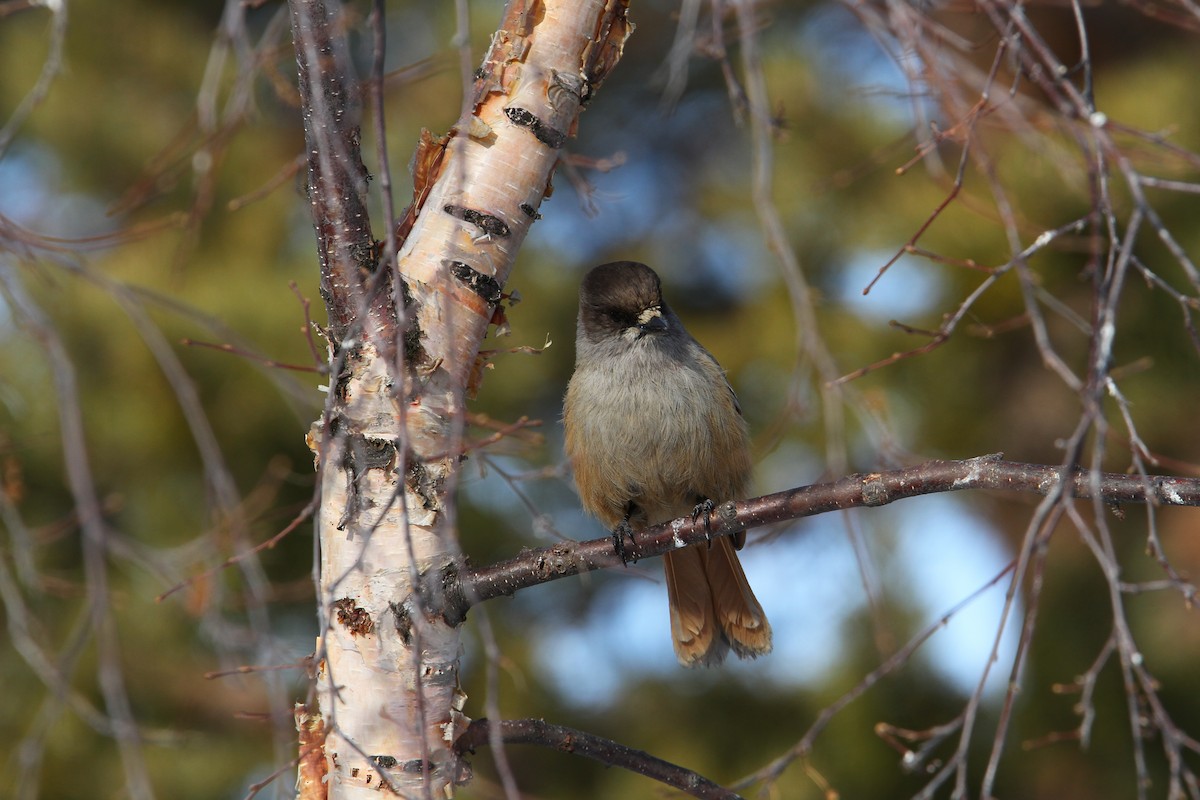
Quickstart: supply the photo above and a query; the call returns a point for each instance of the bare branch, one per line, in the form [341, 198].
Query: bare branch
[51, 68]
[911, 759]
[597, 748]
[337, 179]
[566, 559]
[95, 536]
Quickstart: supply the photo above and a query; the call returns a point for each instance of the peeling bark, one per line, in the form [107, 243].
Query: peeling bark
[403, 350]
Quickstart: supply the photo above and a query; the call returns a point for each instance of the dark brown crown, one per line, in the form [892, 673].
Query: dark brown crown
[613, 295]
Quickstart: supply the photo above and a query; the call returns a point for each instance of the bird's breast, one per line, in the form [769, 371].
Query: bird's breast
[655, 433]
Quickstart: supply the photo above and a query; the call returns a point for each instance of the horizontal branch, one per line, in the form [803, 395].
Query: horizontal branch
[468, 587]
[597, 748]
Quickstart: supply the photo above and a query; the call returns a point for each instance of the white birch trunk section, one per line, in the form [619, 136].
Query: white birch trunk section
[387, 665]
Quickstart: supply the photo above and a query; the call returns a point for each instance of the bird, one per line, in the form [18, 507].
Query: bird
[654, 432]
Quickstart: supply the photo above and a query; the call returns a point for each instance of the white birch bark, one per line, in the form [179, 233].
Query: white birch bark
[387, 663]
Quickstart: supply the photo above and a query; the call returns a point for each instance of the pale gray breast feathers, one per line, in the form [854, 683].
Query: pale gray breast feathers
[653, 409]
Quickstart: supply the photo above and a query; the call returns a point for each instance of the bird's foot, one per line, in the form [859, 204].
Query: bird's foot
[705, 507]
[619, 533]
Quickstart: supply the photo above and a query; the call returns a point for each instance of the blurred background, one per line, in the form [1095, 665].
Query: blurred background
[158, 260]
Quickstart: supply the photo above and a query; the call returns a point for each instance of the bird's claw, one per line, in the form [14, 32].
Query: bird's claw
[619, 533]
[705, 507]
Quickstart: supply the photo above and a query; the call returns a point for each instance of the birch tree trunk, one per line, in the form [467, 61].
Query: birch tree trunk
[404, 335]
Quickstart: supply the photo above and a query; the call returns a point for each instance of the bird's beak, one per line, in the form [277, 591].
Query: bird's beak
[651, 321]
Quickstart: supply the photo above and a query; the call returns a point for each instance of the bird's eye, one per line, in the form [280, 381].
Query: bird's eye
[620, 318]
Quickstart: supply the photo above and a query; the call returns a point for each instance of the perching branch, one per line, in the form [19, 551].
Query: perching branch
[597, 748]
[565, 559]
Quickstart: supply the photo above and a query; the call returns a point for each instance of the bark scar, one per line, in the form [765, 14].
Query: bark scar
[485, 286]
[354, 618]
[488, 223]
[524, 118]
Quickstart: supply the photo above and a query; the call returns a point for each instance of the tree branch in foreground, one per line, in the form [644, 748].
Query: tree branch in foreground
[597, 748]
[468, 587]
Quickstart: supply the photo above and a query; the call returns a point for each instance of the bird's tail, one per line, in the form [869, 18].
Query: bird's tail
[713, 608]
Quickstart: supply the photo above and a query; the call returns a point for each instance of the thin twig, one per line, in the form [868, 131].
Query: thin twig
[597, 748]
